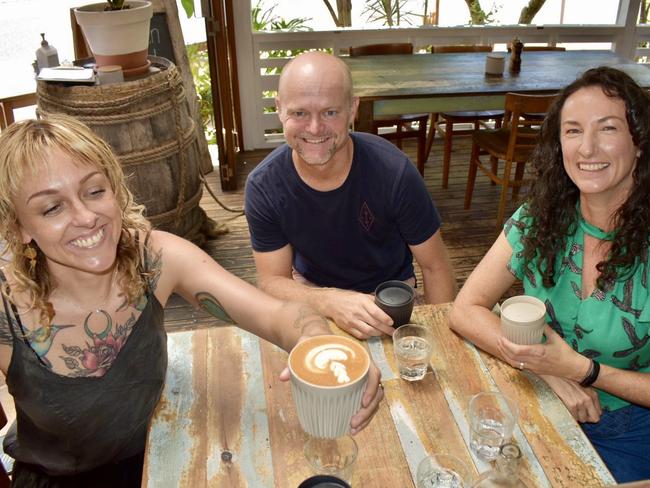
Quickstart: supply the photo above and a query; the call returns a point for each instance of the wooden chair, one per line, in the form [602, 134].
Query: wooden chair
[533, 116]
[512, 143]
[9, 104]
[544, 48]
[403, 123]
[451, 118]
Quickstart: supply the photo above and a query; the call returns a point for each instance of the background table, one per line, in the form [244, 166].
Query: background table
[444, 82]
[226, 420]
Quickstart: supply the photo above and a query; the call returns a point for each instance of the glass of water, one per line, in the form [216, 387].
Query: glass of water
[413, 346]
[334, 457]
[492, 418]
[443, 471]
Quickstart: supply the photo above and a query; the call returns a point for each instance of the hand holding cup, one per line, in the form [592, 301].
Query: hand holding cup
[328, 378]
[523, 319]
[396, 298]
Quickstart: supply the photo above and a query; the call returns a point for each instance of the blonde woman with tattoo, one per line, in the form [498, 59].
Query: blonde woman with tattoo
[82, 342]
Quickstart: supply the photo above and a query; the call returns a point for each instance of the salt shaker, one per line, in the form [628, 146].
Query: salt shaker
[516, 47]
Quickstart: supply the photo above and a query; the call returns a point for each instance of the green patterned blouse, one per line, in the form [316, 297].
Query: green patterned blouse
[612, 326]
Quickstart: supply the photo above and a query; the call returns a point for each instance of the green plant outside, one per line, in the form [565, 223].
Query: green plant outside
[200, 68]
[114, 4]
[199, 65]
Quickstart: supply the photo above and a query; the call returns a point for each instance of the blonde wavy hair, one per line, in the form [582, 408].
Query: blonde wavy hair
[24, 147]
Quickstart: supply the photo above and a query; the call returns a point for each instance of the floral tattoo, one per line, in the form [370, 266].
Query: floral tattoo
[99, 353]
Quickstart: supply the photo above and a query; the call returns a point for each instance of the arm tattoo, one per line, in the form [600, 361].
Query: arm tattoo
[306, 316]
[6, 339]
[153, 265]
[211, 305]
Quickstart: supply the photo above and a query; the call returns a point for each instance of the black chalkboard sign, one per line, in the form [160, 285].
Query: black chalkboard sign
[160, 43]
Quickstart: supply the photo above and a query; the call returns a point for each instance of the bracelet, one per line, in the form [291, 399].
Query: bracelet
[592, 375]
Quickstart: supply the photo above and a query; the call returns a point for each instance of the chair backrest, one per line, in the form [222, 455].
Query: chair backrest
[541, 48]
[380, 49]
[462, 48]
[524, 131]
[544, 48]
[7, 106]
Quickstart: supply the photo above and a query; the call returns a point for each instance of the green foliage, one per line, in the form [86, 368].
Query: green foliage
[388, 12]
[199, 65]
[115, 4]
[188, 6]
[200, 68]
[267, 20]
[264, 20]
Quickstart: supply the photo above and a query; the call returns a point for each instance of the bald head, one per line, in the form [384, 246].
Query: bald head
[315, 68]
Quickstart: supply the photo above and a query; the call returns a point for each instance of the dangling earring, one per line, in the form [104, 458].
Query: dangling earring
[30, 253]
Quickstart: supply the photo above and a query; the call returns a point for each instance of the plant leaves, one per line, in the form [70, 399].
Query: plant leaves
[188, 6]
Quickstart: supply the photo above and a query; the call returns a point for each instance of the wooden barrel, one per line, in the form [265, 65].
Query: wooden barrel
[148, 124]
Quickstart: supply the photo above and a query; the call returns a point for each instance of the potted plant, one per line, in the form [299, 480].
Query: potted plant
[117, 32]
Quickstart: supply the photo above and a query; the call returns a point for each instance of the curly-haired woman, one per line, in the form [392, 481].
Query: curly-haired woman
[580, 244]
[82, 342]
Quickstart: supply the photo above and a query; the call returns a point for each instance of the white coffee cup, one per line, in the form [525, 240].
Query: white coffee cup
[523, 319]
[494, 64]
[328, 377]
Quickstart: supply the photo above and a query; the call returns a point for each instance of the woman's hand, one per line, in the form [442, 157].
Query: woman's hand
[582, 402]
[372, 396]
[554, 357]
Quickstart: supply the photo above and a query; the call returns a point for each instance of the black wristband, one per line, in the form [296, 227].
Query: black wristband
[592, 375]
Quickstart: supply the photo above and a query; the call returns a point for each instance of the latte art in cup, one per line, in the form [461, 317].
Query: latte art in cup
[328, 377]
[331, 364]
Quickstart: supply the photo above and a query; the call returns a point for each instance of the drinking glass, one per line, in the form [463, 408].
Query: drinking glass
[413, 345]
[443, 471]
[492, 418]
[335, 457]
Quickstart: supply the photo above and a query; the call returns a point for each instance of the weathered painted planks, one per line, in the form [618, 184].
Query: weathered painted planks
[226, 420]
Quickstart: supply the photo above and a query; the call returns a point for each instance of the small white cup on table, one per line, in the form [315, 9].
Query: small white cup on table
[495, 64]
[523, 319]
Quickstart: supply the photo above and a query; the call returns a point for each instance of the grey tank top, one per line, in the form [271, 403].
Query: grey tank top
[70, 425]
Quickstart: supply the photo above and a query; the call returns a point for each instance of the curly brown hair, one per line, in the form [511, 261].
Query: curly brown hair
[24, 146]
[553, 197]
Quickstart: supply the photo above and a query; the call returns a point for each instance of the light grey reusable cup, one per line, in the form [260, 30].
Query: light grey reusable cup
[523, 319]
[326, 411]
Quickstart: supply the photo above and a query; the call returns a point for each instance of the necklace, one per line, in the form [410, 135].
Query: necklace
[103, 300]
[107, 316]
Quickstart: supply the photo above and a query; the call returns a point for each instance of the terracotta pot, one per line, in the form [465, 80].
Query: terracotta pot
[118, 37]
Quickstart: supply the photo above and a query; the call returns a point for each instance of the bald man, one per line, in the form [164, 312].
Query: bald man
[332, 214]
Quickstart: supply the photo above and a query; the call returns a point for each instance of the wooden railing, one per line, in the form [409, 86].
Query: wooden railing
[260, 125]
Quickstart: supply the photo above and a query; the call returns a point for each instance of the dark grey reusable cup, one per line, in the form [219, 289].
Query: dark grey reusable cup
[323, 481]
[396, 299]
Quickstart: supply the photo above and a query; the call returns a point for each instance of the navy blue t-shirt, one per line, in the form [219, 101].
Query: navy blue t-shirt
[353, 237]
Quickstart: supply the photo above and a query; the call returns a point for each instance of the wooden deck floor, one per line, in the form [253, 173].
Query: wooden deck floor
[467, 233]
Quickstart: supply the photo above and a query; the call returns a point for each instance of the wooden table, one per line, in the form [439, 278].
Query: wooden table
[226, 420]
[444, 82]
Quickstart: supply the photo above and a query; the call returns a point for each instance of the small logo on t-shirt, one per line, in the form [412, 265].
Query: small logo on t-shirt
[366, 218]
